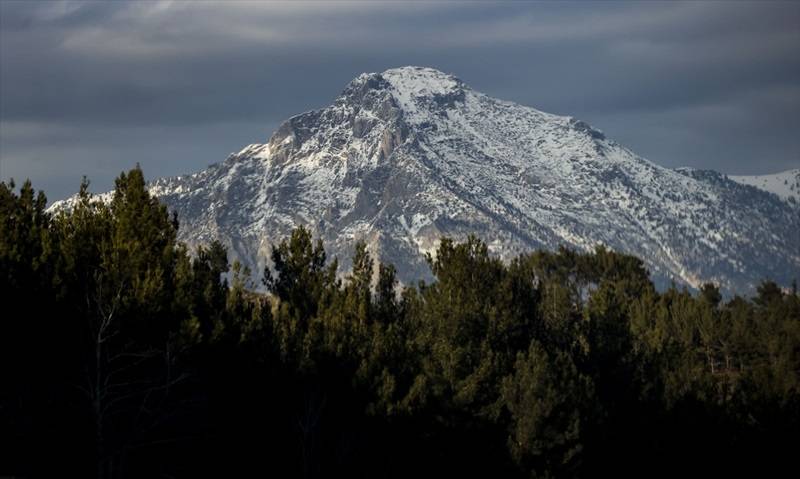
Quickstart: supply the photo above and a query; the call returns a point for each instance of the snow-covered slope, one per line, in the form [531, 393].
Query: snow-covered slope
[405, 156]
[785, 184]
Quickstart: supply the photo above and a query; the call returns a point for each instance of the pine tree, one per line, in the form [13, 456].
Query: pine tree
[547, 399]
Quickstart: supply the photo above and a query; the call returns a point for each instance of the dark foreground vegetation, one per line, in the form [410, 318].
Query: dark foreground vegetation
[122, 354]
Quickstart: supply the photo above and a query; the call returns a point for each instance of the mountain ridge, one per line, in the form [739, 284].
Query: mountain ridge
[411, 154]
[785, 184]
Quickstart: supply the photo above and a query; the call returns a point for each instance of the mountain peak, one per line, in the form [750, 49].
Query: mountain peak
[412, 78]
[411, 154]
[422, 80]
[410, 86]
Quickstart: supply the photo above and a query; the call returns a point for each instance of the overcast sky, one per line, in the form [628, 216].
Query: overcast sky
[91, 88]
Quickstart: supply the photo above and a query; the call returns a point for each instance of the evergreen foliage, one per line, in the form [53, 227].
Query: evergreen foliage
[125, 354]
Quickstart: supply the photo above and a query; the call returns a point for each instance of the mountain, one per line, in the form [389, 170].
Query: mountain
[785, 184]
[406, 156]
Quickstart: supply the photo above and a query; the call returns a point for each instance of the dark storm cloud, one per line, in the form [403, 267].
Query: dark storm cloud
[93, 87]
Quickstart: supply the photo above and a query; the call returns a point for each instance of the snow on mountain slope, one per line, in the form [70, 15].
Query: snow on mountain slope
[406, 156]
[785, 184]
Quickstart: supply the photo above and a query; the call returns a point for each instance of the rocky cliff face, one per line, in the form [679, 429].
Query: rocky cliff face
[406, 156]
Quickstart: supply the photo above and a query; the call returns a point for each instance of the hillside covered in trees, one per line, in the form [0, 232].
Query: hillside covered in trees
[123, 354]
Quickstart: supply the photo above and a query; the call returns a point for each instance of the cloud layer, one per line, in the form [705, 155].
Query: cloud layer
[94, 87]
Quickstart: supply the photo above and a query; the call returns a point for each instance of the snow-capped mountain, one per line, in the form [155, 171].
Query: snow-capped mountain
[406, 156]
[785, 184]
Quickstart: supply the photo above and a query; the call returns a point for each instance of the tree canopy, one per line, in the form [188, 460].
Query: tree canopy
[125, 353]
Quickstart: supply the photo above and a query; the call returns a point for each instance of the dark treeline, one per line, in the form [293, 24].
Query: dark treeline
[123, 354]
